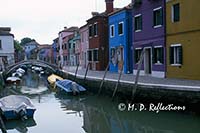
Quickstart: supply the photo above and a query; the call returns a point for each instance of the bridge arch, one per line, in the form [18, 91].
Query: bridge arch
[44, 64]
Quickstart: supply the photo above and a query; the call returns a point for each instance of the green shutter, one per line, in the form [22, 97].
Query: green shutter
[162, 54]
[135, 56]
[171, 55]
[161, 17]
[154, 55]
[180, 54]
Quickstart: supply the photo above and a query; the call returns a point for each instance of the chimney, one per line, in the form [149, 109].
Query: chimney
[109, 6]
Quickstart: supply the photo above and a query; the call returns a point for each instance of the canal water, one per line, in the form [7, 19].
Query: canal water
[61, 113]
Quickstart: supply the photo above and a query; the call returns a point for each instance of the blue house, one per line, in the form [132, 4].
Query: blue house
[120, 40]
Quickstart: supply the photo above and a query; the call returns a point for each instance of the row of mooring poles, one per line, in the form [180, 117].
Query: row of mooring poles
[119, 77]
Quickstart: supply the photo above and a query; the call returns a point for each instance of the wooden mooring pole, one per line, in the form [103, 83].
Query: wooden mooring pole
[76, 71]
[102, 81]
[86, 72]
[2, 125]
[138, 73]
[118, 81]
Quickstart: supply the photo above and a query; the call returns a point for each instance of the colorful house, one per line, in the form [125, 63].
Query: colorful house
[30, 49]
[149, 34]
[64, 36]
[120, 40]
[74, 49]
[54, 50]
[6, 47]
[84, 45]
[183, 37]
[98, 38]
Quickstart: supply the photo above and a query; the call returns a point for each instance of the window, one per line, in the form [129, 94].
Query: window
[90, 55]
[176, 54]
[176, 12]
[158, 55]
[112, 52]
[157, 17]
[120, 28]
[95, 29]
[112, 34]
[95, 55]
[0, 45]
[90, 31]
[138, 22]
[137, 55]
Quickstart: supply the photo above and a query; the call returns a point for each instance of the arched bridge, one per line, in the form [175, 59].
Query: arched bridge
[31, 62]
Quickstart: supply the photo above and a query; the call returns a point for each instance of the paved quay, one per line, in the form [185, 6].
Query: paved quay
[166, 83]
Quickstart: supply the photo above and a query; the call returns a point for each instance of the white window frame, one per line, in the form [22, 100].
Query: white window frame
[111, 31]
[172, 12]
[138, 15]
[159, 46]
[96, 29]
[157, 26]
[122, 22]
[89, 30]
[174, 63]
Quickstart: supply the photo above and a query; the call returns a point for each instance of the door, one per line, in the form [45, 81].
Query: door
[120, 54]
[147, 61]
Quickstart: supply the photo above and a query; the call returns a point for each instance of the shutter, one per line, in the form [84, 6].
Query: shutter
[153, 55]
[161, 16]
[162, 55]
[135, 56]
[180, 54]
[171, 55]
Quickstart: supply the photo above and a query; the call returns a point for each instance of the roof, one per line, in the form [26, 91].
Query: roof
[32, 43]
[128, 7]
[5, 31]
[71, 29]
[41, 46]
[103, 14]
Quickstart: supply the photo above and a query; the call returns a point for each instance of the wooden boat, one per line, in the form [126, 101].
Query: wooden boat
[70, 86]
[16, 106]
[52, 79]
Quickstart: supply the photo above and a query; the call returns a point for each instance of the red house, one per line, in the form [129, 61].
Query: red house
[98, 38]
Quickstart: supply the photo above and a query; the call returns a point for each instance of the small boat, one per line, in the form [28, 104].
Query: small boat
[17, 74]
[70, 86]
[13, 80]
[16, 106]
[20, 70]
[52, 79]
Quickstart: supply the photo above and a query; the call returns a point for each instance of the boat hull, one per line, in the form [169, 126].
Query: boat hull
[10, 115]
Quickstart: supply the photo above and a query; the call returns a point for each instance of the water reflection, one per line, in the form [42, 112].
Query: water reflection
[59, 112]
[101, 115]
[20, 126]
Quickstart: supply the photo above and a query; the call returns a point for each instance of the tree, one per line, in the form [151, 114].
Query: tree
[26, 40]
[17, 46]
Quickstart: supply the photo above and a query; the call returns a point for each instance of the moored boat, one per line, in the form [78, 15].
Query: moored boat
[16, 106]
[52, 79]
[13, 80]
[70, 86]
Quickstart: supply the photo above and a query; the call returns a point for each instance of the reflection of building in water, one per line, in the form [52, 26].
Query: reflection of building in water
[102, 116]
[31, 80]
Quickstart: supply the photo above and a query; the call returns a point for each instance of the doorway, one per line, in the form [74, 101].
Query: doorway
[147, 61]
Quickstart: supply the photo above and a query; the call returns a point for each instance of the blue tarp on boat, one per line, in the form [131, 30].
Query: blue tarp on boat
[69, 86]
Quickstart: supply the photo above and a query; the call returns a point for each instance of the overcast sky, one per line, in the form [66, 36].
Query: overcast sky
[43, 19]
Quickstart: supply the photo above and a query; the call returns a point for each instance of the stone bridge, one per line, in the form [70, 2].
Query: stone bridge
[44, 64]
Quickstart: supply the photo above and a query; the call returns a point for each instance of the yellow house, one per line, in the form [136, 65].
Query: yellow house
[183, 39]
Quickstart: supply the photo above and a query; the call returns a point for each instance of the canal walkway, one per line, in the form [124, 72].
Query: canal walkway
[164, 83]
